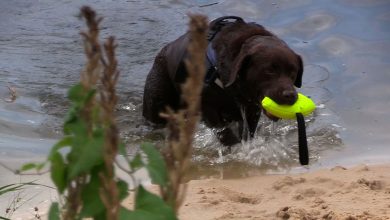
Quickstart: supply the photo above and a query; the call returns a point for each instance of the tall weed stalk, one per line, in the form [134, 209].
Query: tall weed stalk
[182, 124]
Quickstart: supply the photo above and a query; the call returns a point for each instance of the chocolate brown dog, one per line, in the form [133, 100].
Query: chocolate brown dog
[245, 62]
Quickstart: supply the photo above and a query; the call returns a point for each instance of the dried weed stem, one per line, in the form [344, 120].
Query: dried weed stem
[182, 124]
[88, 79]
[109, 99]
[12, 94]
[104, 68]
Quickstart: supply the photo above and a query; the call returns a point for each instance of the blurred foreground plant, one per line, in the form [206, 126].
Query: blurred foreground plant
[82, 162]
[182, 124]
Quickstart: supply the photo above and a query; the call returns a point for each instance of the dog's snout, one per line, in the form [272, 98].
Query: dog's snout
[288, 97]
[284, 96]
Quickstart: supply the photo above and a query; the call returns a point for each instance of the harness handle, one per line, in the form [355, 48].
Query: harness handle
[217, 24]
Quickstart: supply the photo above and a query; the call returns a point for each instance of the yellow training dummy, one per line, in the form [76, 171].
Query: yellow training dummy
[303, 105]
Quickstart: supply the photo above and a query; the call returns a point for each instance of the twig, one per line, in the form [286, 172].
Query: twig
[109, 99]
[12, 93]
[17, 172]
[206, 5]
[129, 172]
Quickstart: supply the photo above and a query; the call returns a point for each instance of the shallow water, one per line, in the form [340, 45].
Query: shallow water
[344, 45]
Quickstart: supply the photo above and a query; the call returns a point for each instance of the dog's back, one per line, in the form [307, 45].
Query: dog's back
[162, 87]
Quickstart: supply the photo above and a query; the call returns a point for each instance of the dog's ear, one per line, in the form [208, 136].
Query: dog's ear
[298, 80]
[238, 65]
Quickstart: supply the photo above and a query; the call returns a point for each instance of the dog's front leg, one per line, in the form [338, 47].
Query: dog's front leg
[227, 136]
[252, 116]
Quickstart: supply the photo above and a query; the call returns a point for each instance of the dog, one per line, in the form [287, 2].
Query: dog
[245, 62]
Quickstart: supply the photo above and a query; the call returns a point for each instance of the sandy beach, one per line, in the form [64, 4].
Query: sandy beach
[360, 192]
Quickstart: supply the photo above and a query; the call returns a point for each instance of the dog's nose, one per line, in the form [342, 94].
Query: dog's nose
[289, 97]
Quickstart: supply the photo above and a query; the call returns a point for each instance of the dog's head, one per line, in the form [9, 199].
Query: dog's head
[267, 67]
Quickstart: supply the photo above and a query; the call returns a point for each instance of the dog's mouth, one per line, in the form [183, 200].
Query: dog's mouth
[288, 98]
[271, 116]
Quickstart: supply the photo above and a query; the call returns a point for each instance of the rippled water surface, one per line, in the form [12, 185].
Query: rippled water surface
[345, 45]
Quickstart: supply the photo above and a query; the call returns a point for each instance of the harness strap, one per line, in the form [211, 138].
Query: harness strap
[211, 67]
[211, 57]
[212, 75]
[217, 24]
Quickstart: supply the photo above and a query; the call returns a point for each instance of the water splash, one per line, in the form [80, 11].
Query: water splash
[275, 144]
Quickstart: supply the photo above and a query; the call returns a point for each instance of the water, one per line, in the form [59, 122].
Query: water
[344, 45]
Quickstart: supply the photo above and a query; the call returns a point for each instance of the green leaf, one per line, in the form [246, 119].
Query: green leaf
[80, 139]
[77, 128]
[155, 165]
[54, 212]
[76, 93]
[136, 162]
[2, 218]
[123, 188]
[90, 94]
[10, 188]
[93, 205]
[79, 95]
[88, 155]
[122, 148]
[30, 166]
[40, 166]
[18, 186]
[58, 171]
[151, 203]
[95, 114]
[64, 142]
[71, 117]
[125, 214]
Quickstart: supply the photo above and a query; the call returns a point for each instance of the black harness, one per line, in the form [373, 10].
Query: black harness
[216, 26]
[212, 76]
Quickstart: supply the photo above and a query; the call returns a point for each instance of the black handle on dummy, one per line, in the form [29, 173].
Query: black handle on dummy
[302, 140]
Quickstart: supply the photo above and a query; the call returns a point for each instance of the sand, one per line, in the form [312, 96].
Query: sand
[361, 192]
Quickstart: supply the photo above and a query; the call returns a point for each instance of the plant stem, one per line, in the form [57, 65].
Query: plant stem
[182, 125]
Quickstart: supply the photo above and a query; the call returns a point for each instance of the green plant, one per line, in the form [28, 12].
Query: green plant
[82, 162]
